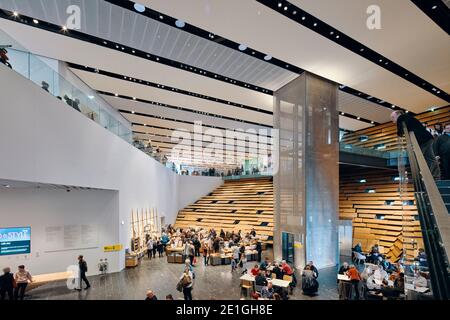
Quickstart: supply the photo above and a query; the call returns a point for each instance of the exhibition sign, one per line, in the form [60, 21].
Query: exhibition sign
[15, 241]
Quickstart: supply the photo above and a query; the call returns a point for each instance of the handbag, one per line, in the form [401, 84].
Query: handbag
[179, 286]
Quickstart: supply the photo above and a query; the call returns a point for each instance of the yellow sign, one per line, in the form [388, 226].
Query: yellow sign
[114, 247]
[298, 245]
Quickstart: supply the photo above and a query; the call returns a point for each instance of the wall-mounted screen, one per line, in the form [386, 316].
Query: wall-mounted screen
[15, 240]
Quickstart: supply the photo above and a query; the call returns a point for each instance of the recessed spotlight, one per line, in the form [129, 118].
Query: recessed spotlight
[134, 98]
[180, 23]
[279, 4]
[139, 7]
[332, 32]
[315, 24]
[371, 122]
[242, 47]
[132, 111]
[104, 42]
[337, 37]
[35, 21]
[406, 111]
[161, 17]
[358, 118]
[342, 113]
[267, 57]
[393, 106]
[362, 49]
[116, 94]
[133, 51]
[145, 124]
[433, 7]
[15, 14]
[381, 60]
[64, 28]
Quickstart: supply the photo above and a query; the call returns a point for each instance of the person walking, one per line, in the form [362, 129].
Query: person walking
[22, 277]
[7, 284]
[83, 269]
[423, 136]
[259, 250]
[205, 254]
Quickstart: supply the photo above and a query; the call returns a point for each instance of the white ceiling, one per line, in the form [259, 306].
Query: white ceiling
[287, 40]
[407, 35]
[410, 39]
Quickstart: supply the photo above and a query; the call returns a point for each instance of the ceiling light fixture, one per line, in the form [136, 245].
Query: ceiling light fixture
[434, 7]
[64, 28]
[242, 47]
[371, 122]
[35, 21]
[180, 23]
[15, 14]
[139, 7]
[279, 4]
[132, 111]
[267, 57]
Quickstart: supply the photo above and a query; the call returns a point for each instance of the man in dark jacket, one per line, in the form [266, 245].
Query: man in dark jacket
[83, 269]
[6, 284]
[424, 138]
[442, 150]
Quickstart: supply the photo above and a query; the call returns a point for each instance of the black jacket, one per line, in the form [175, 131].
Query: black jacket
[412, 124]
[6, 281]
[83, 266]
[442, 145]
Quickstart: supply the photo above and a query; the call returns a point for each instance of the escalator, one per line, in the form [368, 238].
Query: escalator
[433, 204]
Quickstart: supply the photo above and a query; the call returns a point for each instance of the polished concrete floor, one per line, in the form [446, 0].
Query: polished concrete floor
[212, 282]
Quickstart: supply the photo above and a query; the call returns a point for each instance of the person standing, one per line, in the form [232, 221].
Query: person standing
[160, 248]
[21, 277]
[83, 269]
[149, 248]
[7, 284]
[197, 246]
[442, 150]
[205, 254]
[155, 245]
[423, 136]
[355, 278]
[187, 284]
[259, 250]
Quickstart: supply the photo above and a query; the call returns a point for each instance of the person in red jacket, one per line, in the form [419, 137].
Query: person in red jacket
[255, 270]
[355, 278]
[286, 268]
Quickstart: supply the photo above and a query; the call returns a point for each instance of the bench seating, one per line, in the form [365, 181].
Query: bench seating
[243, 204]
[378, 217]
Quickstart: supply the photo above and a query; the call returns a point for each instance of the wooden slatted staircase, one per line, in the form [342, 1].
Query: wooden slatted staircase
[236, 205]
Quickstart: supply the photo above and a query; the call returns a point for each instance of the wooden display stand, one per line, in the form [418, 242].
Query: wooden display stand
[143, 224]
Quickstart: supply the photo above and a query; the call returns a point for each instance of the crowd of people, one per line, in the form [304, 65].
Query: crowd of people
[380, 278]
[14, 285]
[434, 142]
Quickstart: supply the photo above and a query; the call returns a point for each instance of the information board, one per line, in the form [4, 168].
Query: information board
[15, 241]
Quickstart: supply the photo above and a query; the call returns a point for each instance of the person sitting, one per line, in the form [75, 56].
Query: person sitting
[344, 268]
[286, 268]
[255, 270]
[265, 264]
[380, 274]
[422, 258]
[375, 256]
[388, 291]
[267, 292]
[399, 283]
[310, 285]
[169, 297]
[313, 269]
[276, 296]
[260, 279]
[358, 248]
[151, 296]
[278, 271]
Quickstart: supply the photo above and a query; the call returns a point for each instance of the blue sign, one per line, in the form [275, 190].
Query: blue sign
[15, 241]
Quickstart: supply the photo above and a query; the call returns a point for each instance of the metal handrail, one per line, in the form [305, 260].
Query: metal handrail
[433, 217]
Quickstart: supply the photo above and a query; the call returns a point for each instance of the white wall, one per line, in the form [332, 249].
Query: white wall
[43, 140]
[192, 188]
[42, 208]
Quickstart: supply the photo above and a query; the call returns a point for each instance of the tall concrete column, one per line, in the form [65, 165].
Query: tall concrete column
[306, 179]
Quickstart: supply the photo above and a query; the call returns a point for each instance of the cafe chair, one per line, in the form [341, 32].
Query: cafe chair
[358, 257]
